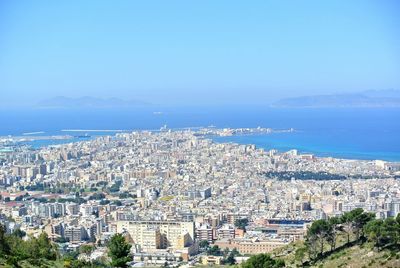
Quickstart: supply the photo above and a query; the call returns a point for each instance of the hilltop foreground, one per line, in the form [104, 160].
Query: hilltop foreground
[357, 256]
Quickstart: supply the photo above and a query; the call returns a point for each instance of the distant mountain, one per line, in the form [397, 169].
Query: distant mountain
[388, 93]
[66, 102]
[370, 98]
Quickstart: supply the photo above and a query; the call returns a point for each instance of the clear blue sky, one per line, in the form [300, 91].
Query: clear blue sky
[196, 51]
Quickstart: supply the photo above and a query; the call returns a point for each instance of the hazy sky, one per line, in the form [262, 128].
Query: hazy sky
[196, 51]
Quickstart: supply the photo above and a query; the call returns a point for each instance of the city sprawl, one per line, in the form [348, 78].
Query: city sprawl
[169, 191]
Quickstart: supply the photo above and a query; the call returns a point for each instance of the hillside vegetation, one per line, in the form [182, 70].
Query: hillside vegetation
[355, 239]
[30, 252]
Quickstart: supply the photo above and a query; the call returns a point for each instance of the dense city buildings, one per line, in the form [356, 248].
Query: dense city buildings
[169, 191]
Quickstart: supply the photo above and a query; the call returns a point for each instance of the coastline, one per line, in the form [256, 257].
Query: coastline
[264, 142]
[264, 138]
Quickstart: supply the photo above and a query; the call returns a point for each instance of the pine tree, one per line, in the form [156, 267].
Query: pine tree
[119, 251]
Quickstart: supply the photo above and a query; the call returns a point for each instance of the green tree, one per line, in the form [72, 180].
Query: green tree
[4, 247]
[353, 222]
[263, 261]
[71, 255]
[311, 246]
[45, 247]
[398, 229]
[390, 231]
[118, 251]
[384, 233]
[19, 233]
[204, 244]
[73, 263]
[347, 224]
[375, 233]
[86, 249]
[360, 219]
[19, 249]
[300, 254]
[36, 251]
[230, 260]
[242, 224]
[335, 229]
[214, 250]
[319, 232]
[225, 252]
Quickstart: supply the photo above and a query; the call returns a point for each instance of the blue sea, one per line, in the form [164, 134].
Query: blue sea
[355, 133]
